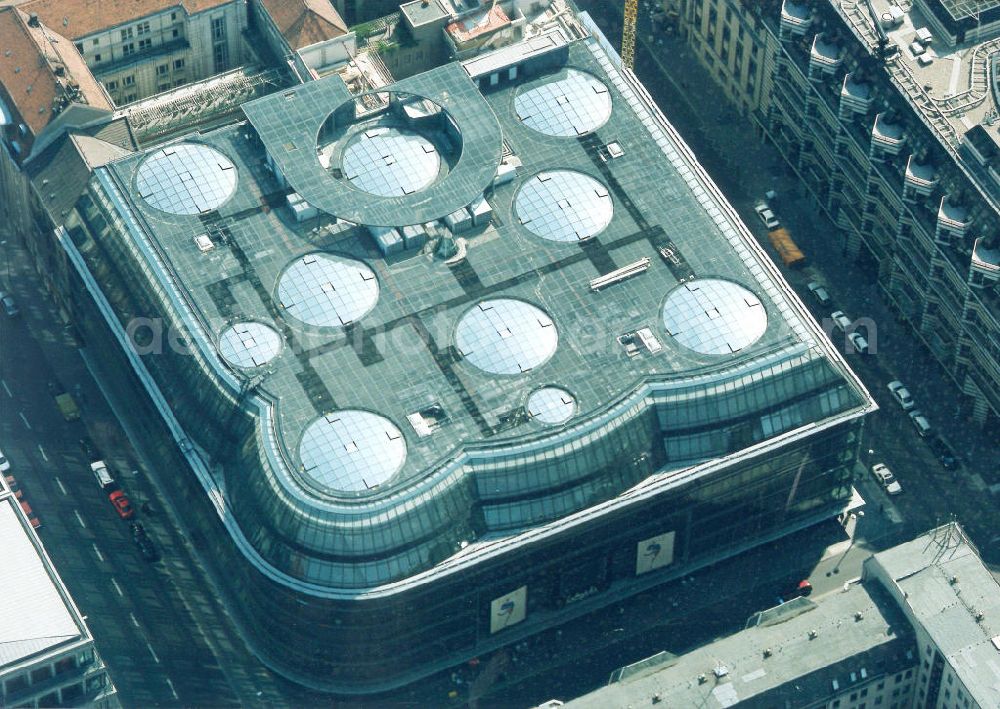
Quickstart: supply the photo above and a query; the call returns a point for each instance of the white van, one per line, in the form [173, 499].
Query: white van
[102, 474]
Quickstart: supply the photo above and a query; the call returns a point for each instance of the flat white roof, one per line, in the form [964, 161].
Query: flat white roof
[35, 614]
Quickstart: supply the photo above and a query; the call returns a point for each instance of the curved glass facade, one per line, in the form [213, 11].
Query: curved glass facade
[406, 533]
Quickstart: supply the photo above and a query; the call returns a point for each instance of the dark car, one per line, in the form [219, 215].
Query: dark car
[943, 452]
[794, 590]
[145, 544]
[89, 450]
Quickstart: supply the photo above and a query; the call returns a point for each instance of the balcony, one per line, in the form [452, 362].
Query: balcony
[855, 95]
[796, 17]
[953, 217]
[920, 178]
[888, 134]
[824, 55]
[986, 259]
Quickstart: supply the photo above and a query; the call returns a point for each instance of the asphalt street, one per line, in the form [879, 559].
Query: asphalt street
[165, 634]
[161, 631]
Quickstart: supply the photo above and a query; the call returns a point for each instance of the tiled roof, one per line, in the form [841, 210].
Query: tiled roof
[469, 28]
[36, 67]
[305, 22]
[80, 18]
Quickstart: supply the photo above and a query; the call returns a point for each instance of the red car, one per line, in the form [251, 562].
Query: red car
[122, 505]
[30, 515]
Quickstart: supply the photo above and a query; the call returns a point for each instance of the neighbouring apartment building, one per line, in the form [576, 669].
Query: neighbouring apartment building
[893, 129]
[140, 48]
[47, 655]
[919, 629]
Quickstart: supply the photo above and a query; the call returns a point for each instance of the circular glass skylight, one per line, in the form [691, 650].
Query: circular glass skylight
[186, 179]
[352, 450]
[390, 162]
[564, 206]
[576, 104]
[326, 290]
[506, 336]
[249, 344]
[551, 405]
[712, 316]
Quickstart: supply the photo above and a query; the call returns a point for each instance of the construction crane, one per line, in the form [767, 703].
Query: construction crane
[628, 33]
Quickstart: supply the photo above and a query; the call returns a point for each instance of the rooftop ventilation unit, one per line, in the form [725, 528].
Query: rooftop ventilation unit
[204, 243]
[620, 274]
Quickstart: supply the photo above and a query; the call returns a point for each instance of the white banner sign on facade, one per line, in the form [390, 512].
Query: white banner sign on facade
[508, 609]
[654, 553]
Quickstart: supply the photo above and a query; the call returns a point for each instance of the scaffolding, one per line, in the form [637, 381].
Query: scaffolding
[195, 104]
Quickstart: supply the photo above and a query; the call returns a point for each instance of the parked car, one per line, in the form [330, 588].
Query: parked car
[841, 321]
[920, 423]
[819, 293]
[901, 394]
[858, 342]
[30, 514]
[145, 544]
[943, 452]
[114, 492]
[122, 505]
[795, 590]
[9, 306]
[4, 463]
[14, 487]
[89, 449]
[767, 217]
[886, 479]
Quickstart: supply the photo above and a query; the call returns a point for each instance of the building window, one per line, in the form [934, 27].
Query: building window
[179, 82]
[128, 80]
[111, 86]
[162, 69]
[142, 28]
[176, 32]
[79, 47]
[221, 58]
[97, 57]
[178, 63]
[128, 49]
[72, 693]
[129, 98]
[126, 33]
[96, 42]
[173, 16]
[41, 674]
[162, 87]
[145, 43]
[16, 684]
[218, 28]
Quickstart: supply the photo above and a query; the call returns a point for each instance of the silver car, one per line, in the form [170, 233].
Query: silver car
[886, 479]
[920, 423]
[901, 394]
[8, 304]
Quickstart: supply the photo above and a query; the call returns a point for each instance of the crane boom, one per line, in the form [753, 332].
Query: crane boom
[628, 33]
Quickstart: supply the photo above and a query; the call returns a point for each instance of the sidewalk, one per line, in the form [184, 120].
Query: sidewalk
[745, 168]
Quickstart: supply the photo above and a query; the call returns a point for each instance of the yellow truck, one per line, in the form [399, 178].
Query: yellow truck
[787, 249]
[67, 407]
